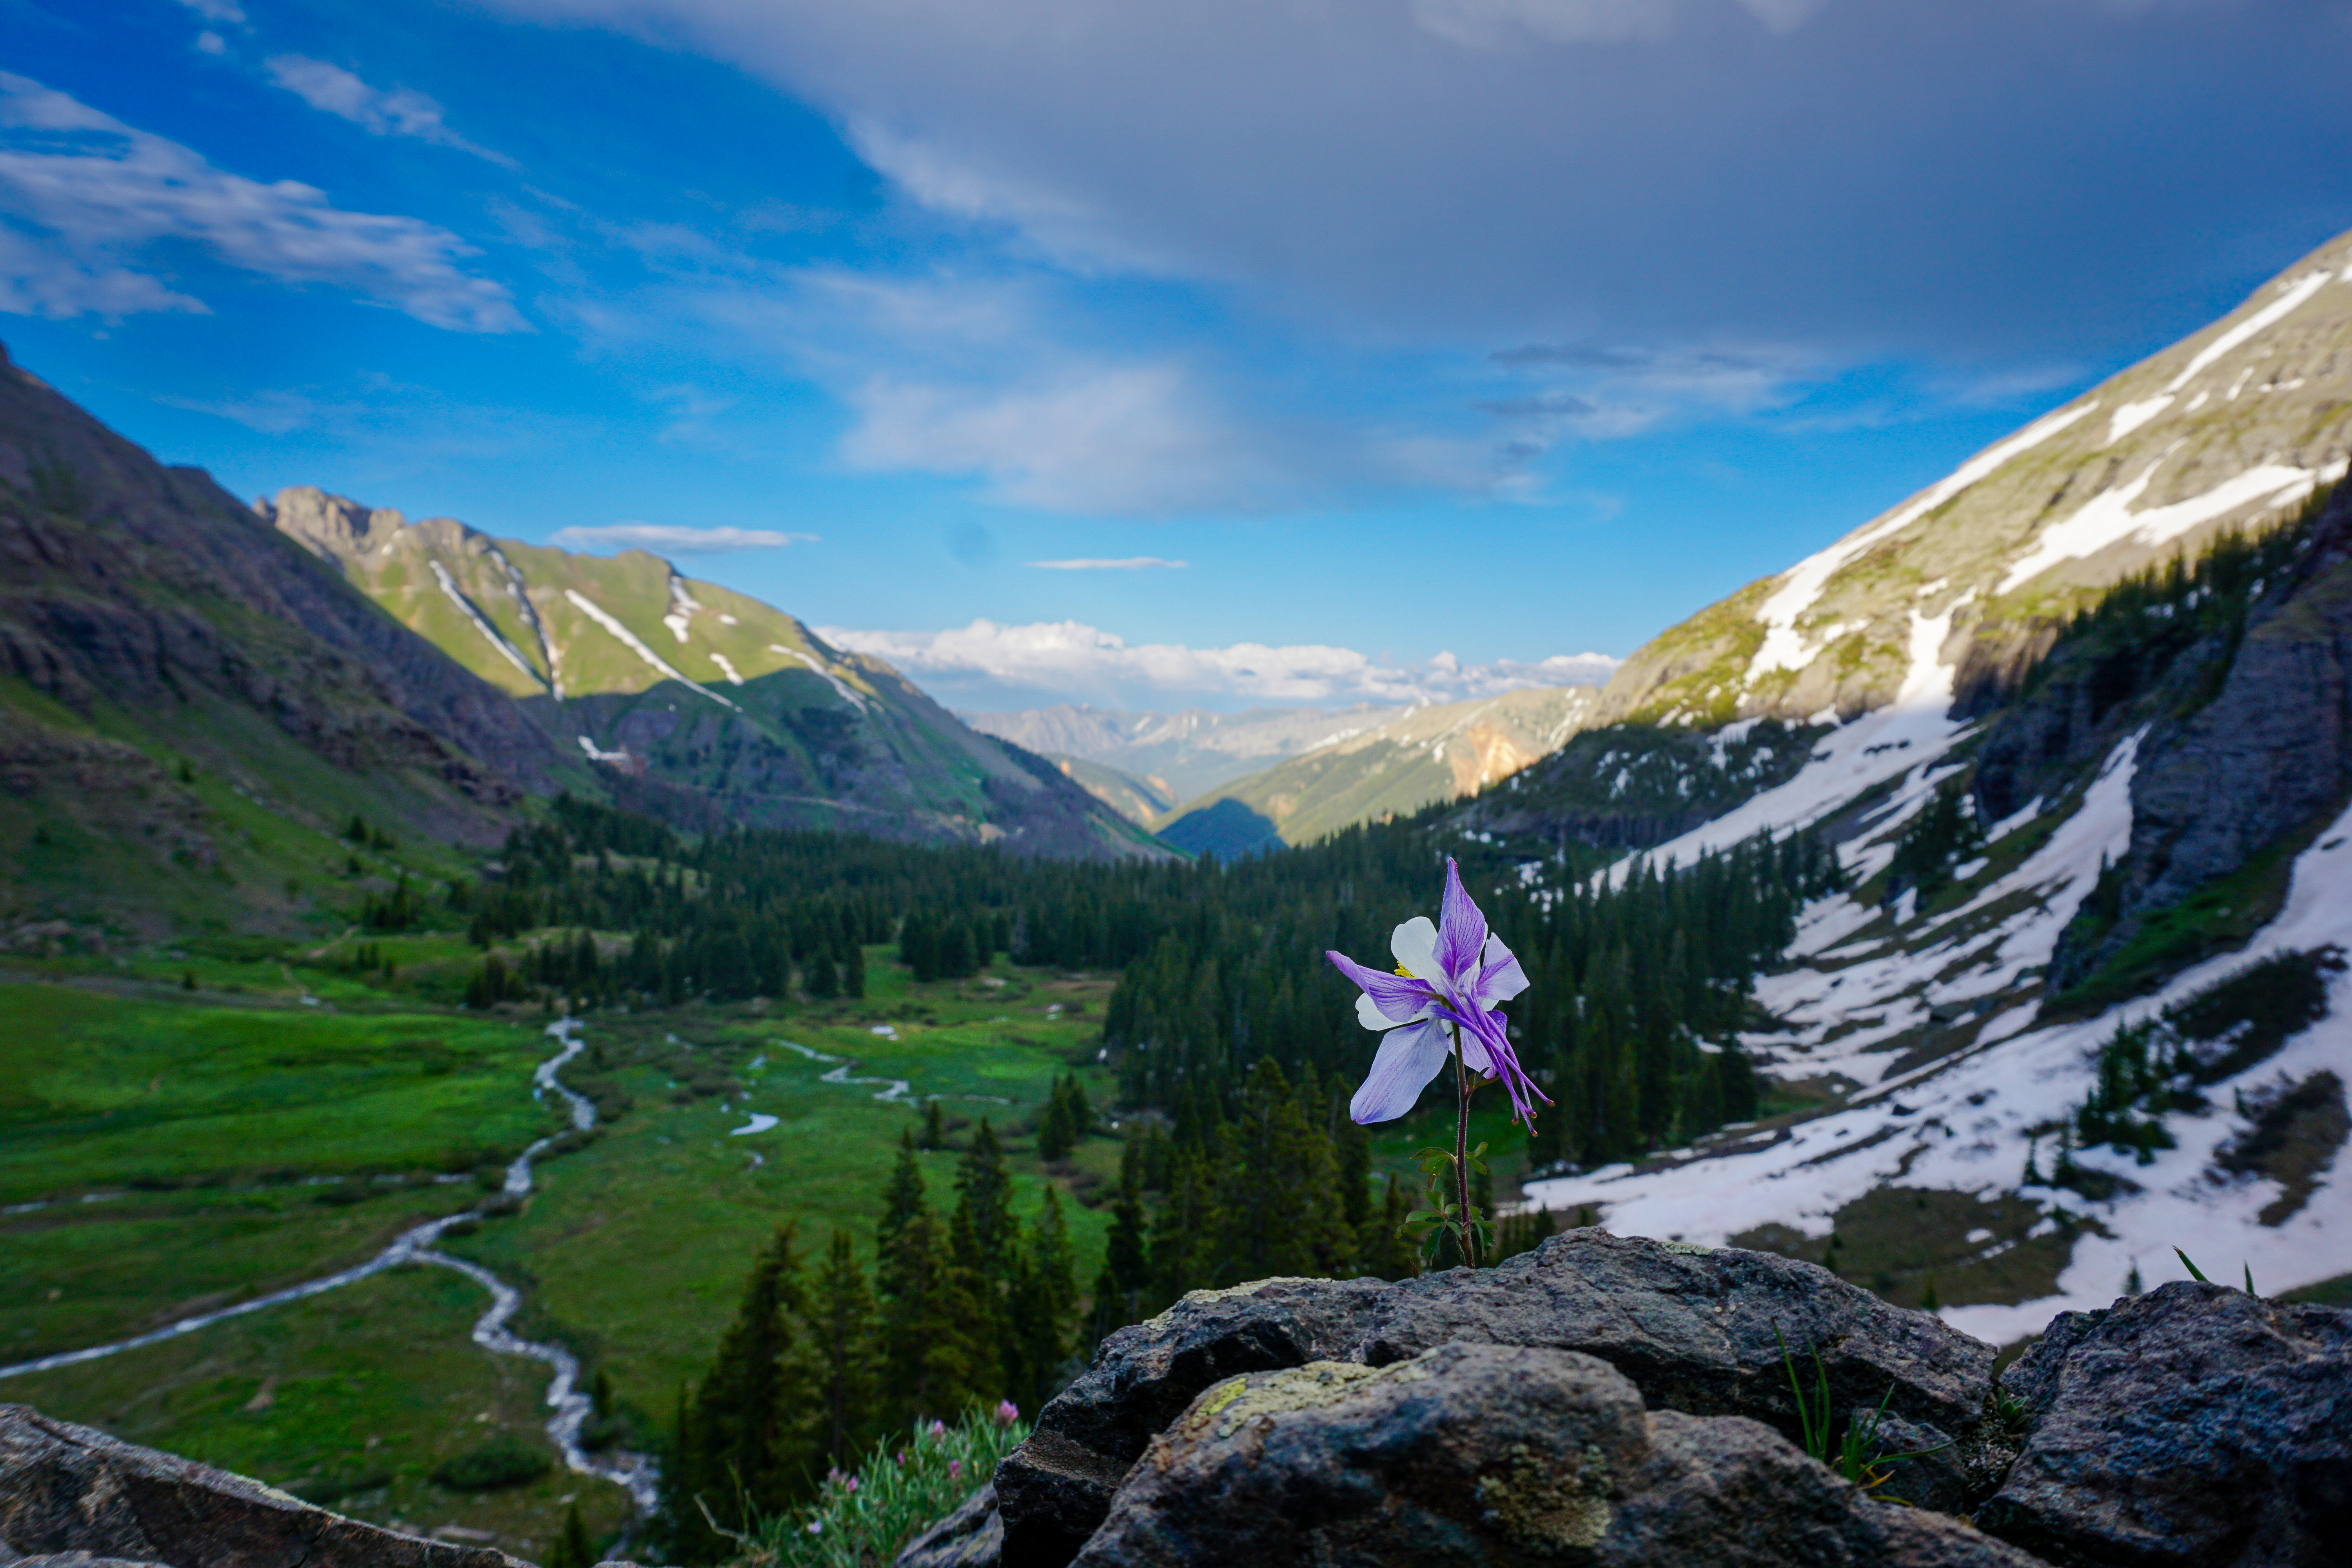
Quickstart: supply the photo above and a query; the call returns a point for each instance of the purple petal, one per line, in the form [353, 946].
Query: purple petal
[1502, 979]
[1492, 1031]
[1408, 1059]
[1461, 929]
[1398, 998]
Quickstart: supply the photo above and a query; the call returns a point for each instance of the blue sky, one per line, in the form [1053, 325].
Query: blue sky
[1505, 329]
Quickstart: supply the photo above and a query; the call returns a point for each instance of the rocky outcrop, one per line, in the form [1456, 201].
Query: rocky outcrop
[1694, 1329]
[69, 1494]
[2195, 1425]
[1620, 1402]
[1475, 1454]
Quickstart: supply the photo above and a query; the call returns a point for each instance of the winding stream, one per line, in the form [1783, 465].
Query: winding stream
[633, 1473]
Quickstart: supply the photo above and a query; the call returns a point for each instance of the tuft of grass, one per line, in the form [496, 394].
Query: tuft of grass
[1856, 1454]
[905, 1486]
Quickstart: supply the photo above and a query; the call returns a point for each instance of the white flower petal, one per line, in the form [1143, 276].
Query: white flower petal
[1414, 944]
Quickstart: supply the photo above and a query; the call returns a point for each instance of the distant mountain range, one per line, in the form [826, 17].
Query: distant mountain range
[728, 709]
[1390, 769]
[1184, 754]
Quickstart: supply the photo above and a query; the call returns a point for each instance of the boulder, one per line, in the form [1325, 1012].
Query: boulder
[1693, 1328]
[971, 1537]
[72, 1494]
[1471, 1454]
[2193, 1425]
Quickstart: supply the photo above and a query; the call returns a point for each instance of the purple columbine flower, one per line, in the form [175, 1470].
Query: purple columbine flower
[1449, 976]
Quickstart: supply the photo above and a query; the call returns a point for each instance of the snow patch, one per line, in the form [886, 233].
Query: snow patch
[1784, 646]
[2132, 415]
[449, 586]
[842, 689]
[635, 645]
[2277, 310]
[2107, 519]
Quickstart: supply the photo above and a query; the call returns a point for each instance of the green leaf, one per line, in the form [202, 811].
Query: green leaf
[2194, 1272]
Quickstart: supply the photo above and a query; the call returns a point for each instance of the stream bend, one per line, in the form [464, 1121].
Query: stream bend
[633, 1473]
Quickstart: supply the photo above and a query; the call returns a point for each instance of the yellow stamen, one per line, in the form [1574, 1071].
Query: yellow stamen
[1408, 974]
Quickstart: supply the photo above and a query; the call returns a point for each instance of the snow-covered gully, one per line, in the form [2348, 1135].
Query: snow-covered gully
[633, 1472]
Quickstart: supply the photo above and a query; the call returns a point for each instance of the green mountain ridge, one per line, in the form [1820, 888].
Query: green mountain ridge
[724, 709]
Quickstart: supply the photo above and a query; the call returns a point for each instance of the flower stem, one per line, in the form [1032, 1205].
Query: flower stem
[1462, 1150]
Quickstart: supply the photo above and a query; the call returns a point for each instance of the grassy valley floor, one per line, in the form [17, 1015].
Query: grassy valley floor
[165, 1153]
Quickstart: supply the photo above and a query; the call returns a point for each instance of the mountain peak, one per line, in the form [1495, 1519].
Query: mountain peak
[2230, 428]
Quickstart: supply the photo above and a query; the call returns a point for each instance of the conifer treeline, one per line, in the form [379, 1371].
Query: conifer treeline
[1638, 985]
[969, 1306]
[1626, 983]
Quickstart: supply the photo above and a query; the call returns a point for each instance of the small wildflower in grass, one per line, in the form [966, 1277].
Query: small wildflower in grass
[862, 1519]
[1007, 1412]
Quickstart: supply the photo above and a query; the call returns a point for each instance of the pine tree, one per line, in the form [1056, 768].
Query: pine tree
[572, 1549]
[1126, 1261]
[750, 1443]
[984, 1189]
[1277, 1205]
[842, 1341]
[1055, 1133]
[853, 969]
[935, 1129]
[927, 1312]
[1043, 1300]
[903, 1201]
[1382, 1252]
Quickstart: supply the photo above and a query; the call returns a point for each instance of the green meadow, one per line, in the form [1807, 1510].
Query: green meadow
[164, 1152]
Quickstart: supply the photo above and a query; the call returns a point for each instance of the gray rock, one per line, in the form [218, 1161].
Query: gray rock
[2193, 1425]
[67, 1490]
[1728, 1492]
[1691, 1328]
[1473, 1455]
[971, 1537]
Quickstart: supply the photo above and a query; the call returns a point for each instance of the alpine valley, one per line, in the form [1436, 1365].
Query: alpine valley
[402, 922]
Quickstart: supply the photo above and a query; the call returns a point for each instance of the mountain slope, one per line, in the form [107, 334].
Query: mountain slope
[723, 709]
[190, 706]
[1396, 767]
[1186, 754]
[2230, 428]
[2085, 999]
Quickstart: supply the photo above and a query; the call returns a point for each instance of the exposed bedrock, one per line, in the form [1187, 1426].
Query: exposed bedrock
[72, 1494]
[1492, 1454]
[1615, 1401]
[1692, 1328]
[2193, 1425]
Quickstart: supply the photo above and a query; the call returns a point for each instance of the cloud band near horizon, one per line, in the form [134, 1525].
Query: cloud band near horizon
[1061, 660]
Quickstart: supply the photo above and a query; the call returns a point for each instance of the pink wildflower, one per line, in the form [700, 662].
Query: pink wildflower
[1007, 1412]
[955, 1469]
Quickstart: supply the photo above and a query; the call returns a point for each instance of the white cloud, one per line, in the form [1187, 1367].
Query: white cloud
[1069, 660]
[216, 10]
[86, 191]
[211, 43]
[680, 540]
[1126, 563]
[399, 111]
